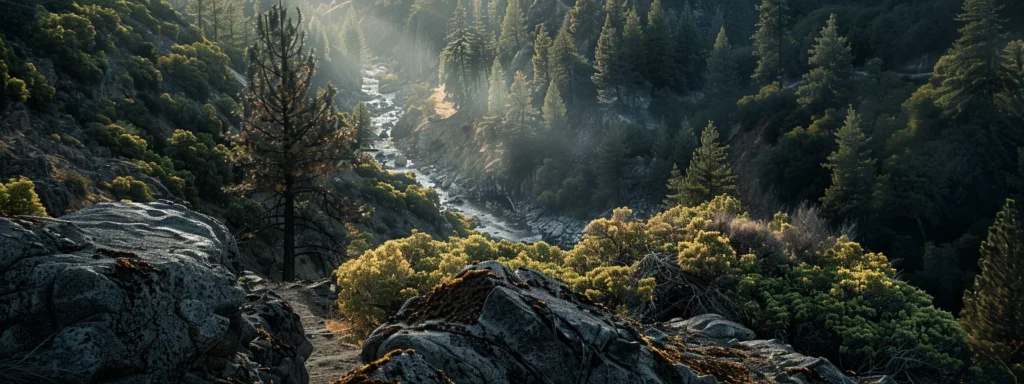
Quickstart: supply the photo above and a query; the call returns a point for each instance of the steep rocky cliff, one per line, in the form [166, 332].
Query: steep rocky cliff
[138, 293]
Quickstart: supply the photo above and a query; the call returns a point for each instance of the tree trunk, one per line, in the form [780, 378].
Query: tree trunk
[289, 236]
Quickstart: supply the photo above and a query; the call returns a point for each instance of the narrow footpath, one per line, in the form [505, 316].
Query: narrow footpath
[332, 357]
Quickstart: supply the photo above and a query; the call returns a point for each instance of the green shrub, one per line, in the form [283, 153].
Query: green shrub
[206, 160]
[187, 72]
[18, 198]
[70, 140]
[144, 73]
[69, 39]
[127, 188]
[118, 139]
[78, 183]
[170, 30]
[463, 225]
[422, 202]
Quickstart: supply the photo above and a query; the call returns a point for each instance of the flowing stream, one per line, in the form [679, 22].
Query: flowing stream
[386, 114]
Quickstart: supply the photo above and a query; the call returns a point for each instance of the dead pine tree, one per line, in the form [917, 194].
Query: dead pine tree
[293, 138]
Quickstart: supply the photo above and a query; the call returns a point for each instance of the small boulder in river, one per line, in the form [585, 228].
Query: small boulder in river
[138, 293]
[401, 161]
[495, 325]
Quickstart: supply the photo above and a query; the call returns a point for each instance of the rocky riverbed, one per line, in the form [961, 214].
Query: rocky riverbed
[386, 111]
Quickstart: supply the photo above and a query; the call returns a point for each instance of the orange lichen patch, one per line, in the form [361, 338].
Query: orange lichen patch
[666, 356]
[132, 270]
[116, 253]
[723, 370]
[275, 341]
[717, 351]
[458, 301]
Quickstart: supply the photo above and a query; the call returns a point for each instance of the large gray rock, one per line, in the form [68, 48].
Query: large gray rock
[138, 293]
[495, 325]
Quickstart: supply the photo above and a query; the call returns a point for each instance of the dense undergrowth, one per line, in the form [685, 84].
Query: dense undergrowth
[789, 278]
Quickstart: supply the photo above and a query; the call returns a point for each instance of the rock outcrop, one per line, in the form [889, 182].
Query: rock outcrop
[495, 325]
[138, 293]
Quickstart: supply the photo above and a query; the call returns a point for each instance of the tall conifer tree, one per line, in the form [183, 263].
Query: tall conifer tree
[462, 62]
[853, 173]
[721, 83]
[827, 85]
[513, 31]
[661, 55]
[541, 58]
[554, 110]
[769, 40]
[608, 68]
[993, 311]
[497, 94]
[292, 139]
[708, 175]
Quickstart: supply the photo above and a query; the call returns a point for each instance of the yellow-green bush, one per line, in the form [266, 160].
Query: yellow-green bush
[412, 266]
[375, 285]
[127, 188]
[18, 198]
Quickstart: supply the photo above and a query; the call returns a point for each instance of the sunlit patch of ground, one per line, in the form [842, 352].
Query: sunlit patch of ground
[341, 330]
[443, 108]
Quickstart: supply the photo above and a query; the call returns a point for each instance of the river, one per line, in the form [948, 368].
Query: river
[386, 114]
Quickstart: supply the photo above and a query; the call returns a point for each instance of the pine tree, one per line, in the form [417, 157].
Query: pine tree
[564, 62]
[497, 94]
[584, 20]
[683, 145]
[721, 82]
[976, 71]
[362, 120]
[352, 42]
[676, 193]
[554, 110]
[827, 85]
[689, 63]
[461, 62]
[993, 311]
[608, 68]
[541, 58]
[769, 40]
[853, 173]
[708, 175]
[661, 55]
[717, 23]
[513, 31]
[292, 139]
[635, 56]
[617, 10]
[521, 119]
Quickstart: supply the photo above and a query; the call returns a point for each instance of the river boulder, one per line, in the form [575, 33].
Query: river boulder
[138, 293]
[492, 324]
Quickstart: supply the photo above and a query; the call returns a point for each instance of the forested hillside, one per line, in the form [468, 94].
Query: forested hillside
[839, 175]
[579, 108]
[896, 121]
[138, 100]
